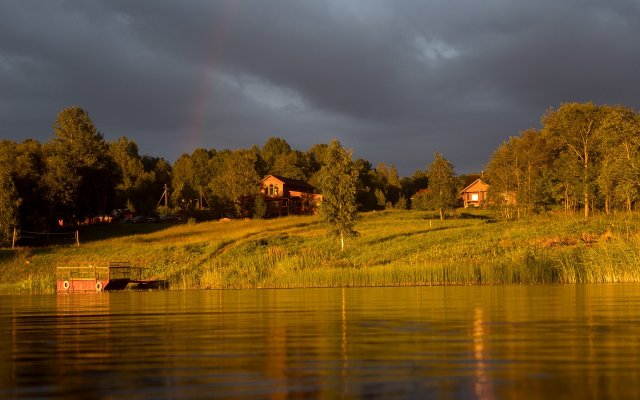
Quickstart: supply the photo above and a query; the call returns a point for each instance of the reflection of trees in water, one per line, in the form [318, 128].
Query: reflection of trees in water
[345, 355]
[276, 361]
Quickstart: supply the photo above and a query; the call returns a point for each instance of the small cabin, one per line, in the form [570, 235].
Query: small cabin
[288, 196]
[475, 194]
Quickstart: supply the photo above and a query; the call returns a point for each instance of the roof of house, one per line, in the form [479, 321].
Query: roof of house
[481, 186]
[291, 182]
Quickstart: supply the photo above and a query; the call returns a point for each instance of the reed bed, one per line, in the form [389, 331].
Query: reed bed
[394, 248]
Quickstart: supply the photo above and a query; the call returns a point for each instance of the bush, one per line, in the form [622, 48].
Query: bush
[259, 207]
[163, 211]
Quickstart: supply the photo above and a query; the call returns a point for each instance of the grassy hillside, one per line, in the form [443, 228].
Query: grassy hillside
[394, 248]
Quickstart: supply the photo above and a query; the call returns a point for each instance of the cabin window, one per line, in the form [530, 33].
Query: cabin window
[272, 190]
[474, 196]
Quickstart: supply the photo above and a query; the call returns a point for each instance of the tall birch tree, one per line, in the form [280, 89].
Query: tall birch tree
[338, 181]
[576, 127]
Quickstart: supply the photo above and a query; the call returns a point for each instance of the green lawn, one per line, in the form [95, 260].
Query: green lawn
[393, 248]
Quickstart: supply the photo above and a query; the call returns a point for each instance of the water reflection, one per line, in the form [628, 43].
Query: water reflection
[482, 387]
[455, 342]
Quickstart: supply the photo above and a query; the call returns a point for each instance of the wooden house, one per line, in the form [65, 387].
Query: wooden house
[287, 196]
[475, 195]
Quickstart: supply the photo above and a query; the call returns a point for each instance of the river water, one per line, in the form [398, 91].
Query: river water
[487, 342]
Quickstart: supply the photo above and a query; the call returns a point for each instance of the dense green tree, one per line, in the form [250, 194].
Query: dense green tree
[182, 175]
[577, 129]
[365, 196]
[277, 157]
[585, 155]
[195, 172]
[443, 184]
[412, 184]
[619, 174]
[25, 163]
[381, 199]
[535, 154]
[421, 200]
[274, 148]
[125, 154]
[62, 184]
[520, 167]
[388, 181]
[503, 176]
[316, 155]
[294, 164]
[81, 174]
[184, 198]
[9, 203]
[142, 177]
[402, 203]
[338, 182]
[201, 174]
[145, 194]
[566, 181]
[160, 167]
[235, 178]
[259, 207]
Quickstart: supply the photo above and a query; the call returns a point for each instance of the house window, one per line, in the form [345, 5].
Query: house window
[474, 196]
[272, 190]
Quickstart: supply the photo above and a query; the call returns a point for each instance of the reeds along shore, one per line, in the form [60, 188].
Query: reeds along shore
[394, 248]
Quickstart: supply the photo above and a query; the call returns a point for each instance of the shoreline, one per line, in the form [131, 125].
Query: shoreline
[394, 249]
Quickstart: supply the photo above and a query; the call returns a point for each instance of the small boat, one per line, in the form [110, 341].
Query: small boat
[99, 276]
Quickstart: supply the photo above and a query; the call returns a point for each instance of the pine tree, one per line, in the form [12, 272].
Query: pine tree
[81, 174]
[338, 182]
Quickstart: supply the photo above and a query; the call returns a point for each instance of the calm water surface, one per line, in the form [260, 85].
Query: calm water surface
[428, 342]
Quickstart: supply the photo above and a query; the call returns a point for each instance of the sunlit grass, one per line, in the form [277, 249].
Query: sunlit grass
[394, 248]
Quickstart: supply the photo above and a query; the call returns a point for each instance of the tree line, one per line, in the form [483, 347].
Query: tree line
[78, 175]
[585, 158]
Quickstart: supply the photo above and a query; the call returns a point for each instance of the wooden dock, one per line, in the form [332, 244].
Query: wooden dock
[99, 276]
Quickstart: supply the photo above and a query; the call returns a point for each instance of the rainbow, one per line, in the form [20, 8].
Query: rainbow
[204, 94]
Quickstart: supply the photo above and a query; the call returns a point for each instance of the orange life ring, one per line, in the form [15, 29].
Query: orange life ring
[66, 285]
[98, 286]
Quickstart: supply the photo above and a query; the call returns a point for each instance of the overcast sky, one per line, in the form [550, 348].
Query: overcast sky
[395, 80]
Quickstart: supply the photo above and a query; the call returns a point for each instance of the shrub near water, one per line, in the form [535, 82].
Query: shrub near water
[394, 248]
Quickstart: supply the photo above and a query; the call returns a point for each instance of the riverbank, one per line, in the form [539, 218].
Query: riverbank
[394, 248]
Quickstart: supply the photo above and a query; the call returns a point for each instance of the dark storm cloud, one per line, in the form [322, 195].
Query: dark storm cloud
[395, 80]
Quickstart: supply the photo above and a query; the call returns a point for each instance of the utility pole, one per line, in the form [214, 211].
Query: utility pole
[165, 195]
[202, 200]
[13, 241]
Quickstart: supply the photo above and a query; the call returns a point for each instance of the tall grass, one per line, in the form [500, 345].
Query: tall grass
[394, 248]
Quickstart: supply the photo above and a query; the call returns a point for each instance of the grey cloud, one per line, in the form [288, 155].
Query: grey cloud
[394, 80]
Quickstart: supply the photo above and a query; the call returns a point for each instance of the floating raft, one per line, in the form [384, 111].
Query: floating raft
[96, 277]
